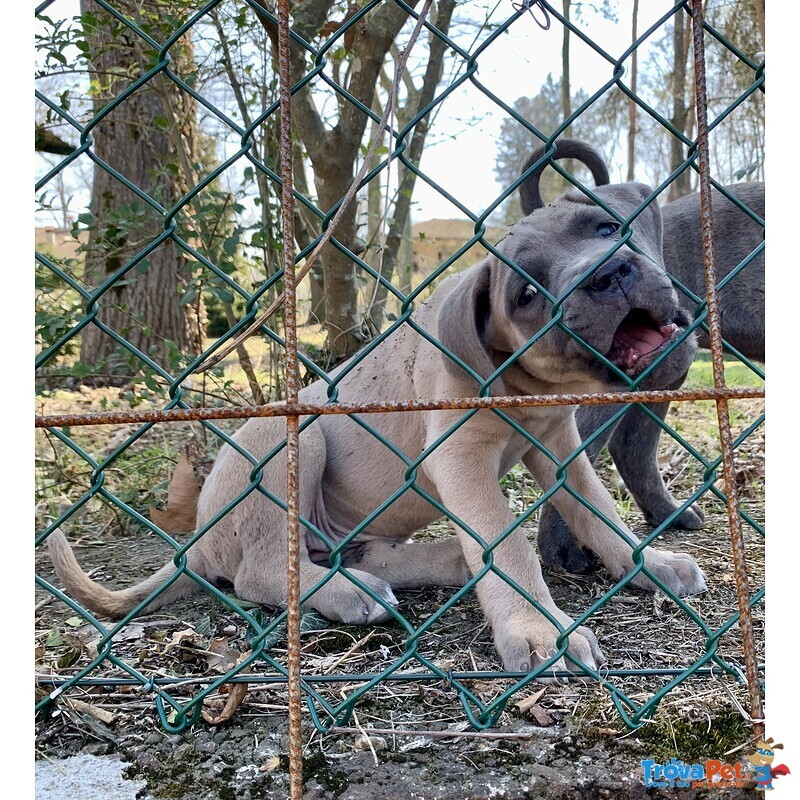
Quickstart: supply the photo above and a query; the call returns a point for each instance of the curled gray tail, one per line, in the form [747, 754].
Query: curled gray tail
[529, 194]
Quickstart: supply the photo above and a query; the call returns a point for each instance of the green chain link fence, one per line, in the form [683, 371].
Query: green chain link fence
[264, 665]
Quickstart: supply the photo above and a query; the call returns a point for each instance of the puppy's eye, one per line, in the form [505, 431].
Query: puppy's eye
[526, 295]
[608, 228]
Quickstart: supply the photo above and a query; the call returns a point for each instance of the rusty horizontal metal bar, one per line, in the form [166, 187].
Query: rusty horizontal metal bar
[465, 403]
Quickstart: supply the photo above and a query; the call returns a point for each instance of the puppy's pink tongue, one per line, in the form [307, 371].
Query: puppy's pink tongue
[641, 339]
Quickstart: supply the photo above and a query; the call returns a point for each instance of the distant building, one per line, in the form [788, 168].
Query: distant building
[436, 240]
[433, 242]
[59, 242]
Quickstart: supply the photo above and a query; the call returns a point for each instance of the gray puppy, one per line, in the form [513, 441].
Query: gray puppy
[627, 310]
[633, 442]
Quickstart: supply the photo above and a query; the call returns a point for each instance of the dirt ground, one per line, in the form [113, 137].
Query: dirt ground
[407, 738]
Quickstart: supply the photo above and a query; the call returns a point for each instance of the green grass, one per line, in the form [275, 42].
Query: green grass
[701, 374]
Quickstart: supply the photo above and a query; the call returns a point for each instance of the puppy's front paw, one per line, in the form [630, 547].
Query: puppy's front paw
[341, 600]
[525, 640]
[677, 571]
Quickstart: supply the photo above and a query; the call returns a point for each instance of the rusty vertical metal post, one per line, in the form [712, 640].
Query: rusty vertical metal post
[715, 336]
[292, 420]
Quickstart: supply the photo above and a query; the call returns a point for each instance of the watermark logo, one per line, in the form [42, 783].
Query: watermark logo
[715, 773]
[762, 760]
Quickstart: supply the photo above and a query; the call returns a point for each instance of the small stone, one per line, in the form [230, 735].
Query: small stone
[364, 742]
[247, 773]
[96, 749]
[147, 761]
[313, 791]
[207, 747]
[183, 751]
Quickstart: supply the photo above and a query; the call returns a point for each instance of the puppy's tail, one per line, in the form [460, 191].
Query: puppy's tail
[529, 195]
[116, 604]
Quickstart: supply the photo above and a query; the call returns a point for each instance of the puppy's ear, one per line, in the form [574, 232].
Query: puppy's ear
[463, 323]
[647, 227]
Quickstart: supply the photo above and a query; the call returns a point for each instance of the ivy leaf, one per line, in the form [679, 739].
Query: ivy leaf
[230, 244]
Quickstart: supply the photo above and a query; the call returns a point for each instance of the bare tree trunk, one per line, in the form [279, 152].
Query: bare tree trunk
[143, 306]
[681, 185]
[760, 21]
[244, 359]
[305, 232]
[401, 228]
[334, 152]
[376, 205]
[632, 103]
[343, 321]
[566, 89]
[405, 258]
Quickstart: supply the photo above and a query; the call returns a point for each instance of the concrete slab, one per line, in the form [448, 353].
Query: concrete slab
[85, 777]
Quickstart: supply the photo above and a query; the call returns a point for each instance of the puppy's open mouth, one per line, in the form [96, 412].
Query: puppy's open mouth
[639, 340]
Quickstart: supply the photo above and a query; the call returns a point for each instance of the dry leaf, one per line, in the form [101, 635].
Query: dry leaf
[220, 657]
[179, 637]
[130, 633]
[235, 697]
[181, 500]
[200, 460]
[236, 694]
[86, 708]
[484, 690]
[69, 658]
[540, 716]
[524, 705]
[270, 765]
[608, 732]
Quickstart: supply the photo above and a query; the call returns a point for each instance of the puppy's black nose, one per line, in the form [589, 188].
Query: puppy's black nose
[615, 275]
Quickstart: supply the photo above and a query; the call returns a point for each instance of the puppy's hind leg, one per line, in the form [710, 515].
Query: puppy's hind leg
[634, 448]
[412, 565]
[260, 528]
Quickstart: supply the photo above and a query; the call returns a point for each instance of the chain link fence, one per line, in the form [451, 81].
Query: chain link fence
[179, 699]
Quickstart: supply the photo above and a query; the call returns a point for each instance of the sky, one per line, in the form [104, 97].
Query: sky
[516, 65]
[460, 151]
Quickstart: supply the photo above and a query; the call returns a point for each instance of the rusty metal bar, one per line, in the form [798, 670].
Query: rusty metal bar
[292, 420]
[465, 403]
[715, 338]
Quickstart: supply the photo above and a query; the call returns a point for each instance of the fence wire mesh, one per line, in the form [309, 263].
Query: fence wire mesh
[318, 49]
